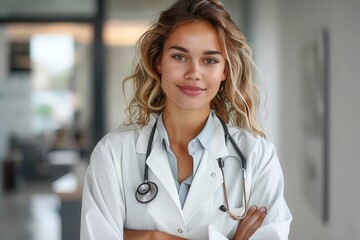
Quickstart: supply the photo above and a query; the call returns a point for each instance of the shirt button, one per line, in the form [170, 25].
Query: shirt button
[180, 230]
[194, 144]
[213, 174]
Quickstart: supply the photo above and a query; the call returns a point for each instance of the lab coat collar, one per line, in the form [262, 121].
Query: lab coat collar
[207, 179]
[217, 145]
[158, 162]
[143, 140]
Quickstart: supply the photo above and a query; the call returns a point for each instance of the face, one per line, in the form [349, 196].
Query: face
[192, 67]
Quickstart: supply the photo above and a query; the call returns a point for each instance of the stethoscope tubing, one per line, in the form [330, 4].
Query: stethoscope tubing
[237, 149]
[147, 191]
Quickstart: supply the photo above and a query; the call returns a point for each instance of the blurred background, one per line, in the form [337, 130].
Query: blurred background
[62, 63]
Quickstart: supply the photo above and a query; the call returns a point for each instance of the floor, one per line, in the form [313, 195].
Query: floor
[30, 213]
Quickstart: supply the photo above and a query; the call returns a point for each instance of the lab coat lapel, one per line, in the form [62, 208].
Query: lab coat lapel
[159, 166]
[208, 177]
[158, 163]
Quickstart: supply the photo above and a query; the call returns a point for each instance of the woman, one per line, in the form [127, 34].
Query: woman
[194, 74]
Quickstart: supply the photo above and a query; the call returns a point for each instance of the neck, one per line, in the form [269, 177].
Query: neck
[183, 126]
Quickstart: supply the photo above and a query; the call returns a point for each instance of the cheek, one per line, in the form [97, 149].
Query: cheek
[217, 78]
[170, 74]
[166, 81]
[216, 86]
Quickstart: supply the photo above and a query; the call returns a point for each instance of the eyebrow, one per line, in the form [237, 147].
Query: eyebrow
[210, 52]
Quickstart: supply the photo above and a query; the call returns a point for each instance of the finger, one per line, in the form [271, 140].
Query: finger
[257, 224]
[250, 223]
[241, 231]
[251, 211]
[254, 217]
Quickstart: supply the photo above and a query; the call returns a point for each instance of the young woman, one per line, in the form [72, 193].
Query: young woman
[176, 170]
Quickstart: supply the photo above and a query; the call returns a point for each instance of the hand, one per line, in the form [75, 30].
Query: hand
[250, 223]
[148, 235]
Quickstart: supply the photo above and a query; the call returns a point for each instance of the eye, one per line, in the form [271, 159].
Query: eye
[179, 57]
[211, 61]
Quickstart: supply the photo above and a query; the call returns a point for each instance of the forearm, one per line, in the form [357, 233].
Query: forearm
[148, 235]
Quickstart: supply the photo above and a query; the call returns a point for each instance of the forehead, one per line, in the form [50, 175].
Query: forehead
[198, 34]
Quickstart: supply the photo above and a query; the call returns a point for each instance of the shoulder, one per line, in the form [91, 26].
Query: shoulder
[117, 139]
[109, 151]
[259, 153]
[250, 138]
[252, 144]
[121, 134]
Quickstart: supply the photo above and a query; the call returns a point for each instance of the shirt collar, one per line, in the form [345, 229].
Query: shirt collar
[206, 134]
[164, 138]
[204, 137]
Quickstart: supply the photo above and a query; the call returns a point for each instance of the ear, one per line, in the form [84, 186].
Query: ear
[224, 74]
[158, 67]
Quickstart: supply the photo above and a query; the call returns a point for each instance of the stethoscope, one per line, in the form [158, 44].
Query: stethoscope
[148, 190]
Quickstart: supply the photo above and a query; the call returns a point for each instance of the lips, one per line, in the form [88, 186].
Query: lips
[191, 90]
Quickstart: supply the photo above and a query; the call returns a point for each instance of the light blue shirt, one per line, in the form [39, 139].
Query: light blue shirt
[196, 148]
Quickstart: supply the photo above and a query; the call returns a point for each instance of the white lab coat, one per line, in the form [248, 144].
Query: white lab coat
[117, 168]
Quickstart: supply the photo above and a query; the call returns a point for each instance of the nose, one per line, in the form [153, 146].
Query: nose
[193, 72]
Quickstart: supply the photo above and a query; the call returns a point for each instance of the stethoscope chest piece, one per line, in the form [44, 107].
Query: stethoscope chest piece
[146, 192]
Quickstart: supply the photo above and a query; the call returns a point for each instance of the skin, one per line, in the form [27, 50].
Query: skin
[192, 68]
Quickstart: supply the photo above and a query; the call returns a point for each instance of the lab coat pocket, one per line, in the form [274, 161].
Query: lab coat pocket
[214, 234]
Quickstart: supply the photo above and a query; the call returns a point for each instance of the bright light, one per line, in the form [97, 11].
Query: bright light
[121, 33]
[55, 53]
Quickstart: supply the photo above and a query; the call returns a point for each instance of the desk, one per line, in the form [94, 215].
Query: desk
[69, 191]
[61, 162]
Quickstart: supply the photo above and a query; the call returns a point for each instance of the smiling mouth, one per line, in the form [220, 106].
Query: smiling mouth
[191, 90]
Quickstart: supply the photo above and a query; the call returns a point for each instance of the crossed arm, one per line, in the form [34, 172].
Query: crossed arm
[245, 230]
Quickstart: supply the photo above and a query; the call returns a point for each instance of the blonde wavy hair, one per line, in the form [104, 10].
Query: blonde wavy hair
[238, 96]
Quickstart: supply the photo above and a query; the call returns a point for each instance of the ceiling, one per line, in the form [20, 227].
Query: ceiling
[116, 9]
[123, 16]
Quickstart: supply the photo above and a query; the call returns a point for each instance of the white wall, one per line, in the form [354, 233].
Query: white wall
[120, 65]
[83, 84]
[264, 40]
[299, 23]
